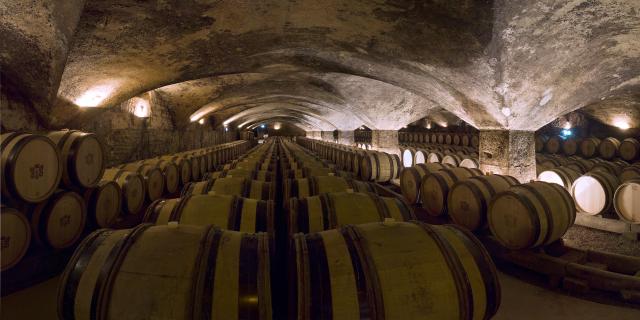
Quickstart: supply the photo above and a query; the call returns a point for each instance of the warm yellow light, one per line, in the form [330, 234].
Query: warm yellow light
[277, 126]
[622, 124]
[141, 108]
[94, 96]
[201, 121]
[567, 125]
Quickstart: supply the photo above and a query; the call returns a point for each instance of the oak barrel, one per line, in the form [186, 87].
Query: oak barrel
[104, 203]
[16, 237]
[170, 172]
[235, 186]
[83, 157]
[553, 145]
[313, 186]
[613, 167]
[630, 172]
[31, 167]
[608, 148]
[540, 142]
[589, 147]
[531, 215]
[470, 163]
[132, 185]
[184, 167]
[380, 166]
[452, 159]
[152, 176]
[570, 146]
[332, 210]
[593, 192]
[629, 149]
[468, 200]
[626, 201]
[395, 270]
[225, 211]
[563, 176]
[59, 221]
[411, 178]
[435, 187]
[167, 272]
[435, 157]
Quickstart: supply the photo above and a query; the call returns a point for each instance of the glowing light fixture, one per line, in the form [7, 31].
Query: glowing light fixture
[506, 111]
[621, 123]
[140, 107]
[94, 96]
[277, 126]
[567, 125]
[201, 121]
[566, 133]
[262, 126]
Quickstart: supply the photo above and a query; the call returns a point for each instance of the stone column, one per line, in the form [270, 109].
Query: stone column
[509, 153]
[386, 141]
[314, 135]
[346, 138]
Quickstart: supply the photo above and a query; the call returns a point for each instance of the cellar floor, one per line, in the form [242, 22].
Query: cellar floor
[520, 301]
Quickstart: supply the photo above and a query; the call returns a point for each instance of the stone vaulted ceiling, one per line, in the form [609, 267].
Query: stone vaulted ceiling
[329, 64]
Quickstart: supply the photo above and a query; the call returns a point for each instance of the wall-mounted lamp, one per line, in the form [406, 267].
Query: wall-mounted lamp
[567, 125]
[94, 96]
[277, 126]
[140, 107]
[201, 121]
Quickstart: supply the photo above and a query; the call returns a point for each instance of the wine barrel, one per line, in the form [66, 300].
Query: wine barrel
[169, 171]
[167, 272]
[613, 167]
[630, 172]
[448, 139]
[184, 167]
[468, 200]
[16, 237]
[411, 178]
[470, 163]
[629, 149]
[475, 141]
[152, 176]
[31, 167]
[593, 192]
[59, 221]
[390, 270]
[434, 138]
[465, 141]
[234, 186]
[452, 159]
[456, 140]
[380, 166]
[225, 211]
[552, 162]
[540, 142]
[435, 187]
[83, 157]
[562, 176]
[580, 164]
[132, 185]
[332, 210]
[589, 147]
[103, 203]
[570, 146]
[314, 186]
[608, 148]
[435, 157]
[420, 156]
[240, 173]
[626, 201]
[531, 215]
[408, 155]
[553, 145]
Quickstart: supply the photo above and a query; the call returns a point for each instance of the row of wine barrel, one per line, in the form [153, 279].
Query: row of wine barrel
[367, 164]
[453, 138]
[34, 166]
[352, 272]
[457, 157]
[607, 148]
[599, 187]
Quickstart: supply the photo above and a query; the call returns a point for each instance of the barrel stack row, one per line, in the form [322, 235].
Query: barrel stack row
[598, 187]
[55, 188]
[608, 148]
[369, 165]
[441, 138]
[338, 265]
[48, 181]
[414, 154]
[518, 215]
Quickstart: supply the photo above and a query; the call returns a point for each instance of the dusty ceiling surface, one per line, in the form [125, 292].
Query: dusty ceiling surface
[329, 64]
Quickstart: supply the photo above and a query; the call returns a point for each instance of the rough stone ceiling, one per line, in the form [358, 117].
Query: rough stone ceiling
[329, 64]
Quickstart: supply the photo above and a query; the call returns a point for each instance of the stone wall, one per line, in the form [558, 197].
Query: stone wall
[126, 137]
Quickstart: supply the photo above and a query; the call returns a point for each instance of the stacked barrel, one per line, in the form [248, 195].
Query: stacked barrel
[603, 185]
[456, 149]
[48, 181]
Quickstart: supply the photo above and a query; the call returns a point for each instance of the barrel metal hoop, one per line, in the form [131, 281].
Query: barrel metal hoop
[203, 287]
[319, 278]
[545, 206]
[248, 299]
[329, 218]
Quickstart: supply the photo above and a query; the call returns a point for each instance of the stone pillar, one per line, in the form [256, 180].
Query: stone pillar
[314, 135]
[346, 138]
[509, 153]
[386, 141]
